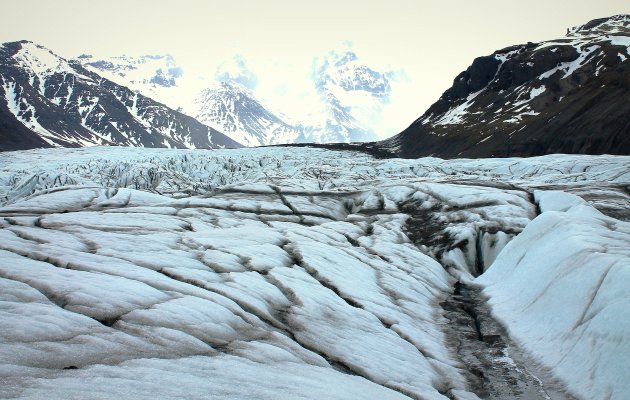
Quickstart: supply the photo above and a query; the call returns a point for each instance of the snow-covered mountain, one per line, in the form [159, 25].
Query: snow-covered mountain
[232, 109]
[261, 273]
[567, 95]
[223, 101]
[46, 101]
[351, 94]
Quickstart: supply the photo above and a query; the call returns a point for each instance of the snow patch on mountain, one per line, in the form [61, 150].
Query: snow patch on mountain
[24, 112]
[455, 115]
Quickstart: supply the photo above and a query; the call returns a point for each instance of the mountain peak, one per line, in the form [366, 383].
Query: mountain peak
[609, 25]
[230, 107]
[346, 72]
[19, 43]
[236, 70]
[36, 58]
[232, 86]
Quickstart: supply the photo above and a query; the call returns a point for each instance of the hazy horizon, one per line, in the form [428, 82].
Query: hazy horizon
[426, 43]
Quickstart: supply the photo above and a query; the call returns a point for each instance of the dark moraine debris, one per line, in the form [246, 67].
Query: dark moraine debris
[495, 367]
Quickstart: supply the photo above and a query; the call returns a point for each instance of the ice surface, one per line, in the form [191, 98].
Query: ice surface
[299, 273]
[572, 314]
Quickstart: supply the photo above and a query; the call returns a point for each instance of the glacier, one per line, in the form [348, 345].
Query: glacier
[309, 273]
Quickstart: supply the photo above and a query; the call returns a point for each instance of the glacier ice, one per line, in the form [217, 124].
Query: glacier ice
[301, 273]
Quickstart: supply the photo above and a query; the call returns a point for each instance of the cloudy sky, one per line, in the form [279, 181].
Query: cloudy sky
[426, 42]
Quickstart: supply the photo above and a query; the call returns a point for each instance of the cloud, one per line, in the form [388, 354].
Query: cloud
[236, 70]
[281, 89]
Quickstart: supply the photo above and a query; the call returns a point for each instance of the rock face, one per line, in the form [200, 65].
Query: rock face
[46, 101]
[568, 95]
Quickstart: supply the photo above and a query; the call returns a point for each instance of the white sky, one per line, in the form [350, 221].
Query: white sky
[432, 41]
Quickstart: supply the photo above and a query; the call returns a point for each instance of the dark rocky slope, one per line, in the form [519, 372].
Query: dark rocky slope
[569, 95]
